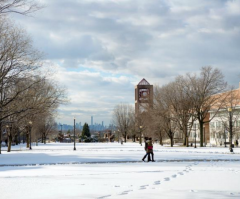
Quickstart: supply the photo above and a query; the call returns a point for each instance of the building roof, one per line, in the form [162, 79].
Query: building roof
[230, 98]
[143, 82]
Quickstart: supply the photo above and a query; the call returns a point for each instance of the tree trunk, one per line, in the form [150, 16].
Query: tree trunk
[0, 137]
[230, 141]
[16, 139]
[171, 141]
[184, 139]
[201, 133]
[27, 137]
[125, 137]
[187, 144]
[9, 143]
[134, 138]
[24, 138]
[42, 138]
[160, 139]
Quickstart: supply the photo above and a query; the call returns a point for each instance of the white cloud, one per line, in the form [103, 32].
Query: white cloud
[103, 47]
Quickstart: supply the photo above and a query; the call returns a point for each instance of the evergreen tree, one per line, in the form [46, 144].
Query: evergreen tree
[86, 131]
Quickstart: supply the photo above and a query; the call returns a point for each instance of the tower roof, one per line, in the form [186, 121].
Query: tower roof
[143, 82]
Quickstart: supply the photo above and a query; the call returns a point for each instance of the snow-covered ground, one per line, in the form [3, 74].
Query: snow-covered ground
[112, 170]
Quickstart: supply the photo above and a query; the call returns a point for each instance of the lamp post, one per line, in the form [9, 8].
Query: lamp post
[195, 135]
[140, 138]
[30, 129]
[225, 138]
[74, 148]
[230, 129]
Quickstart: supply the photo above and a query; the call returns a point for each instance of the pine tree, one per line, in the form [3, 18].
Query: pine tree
[86, 131]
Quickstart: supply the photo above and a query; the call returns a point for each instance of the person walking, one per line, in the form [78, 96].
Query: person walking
[150, 150]
[146, 148]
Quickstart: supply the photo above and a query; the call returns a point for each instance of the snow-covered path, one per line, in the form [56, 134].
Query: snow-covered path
[180, 173]
[56, 153]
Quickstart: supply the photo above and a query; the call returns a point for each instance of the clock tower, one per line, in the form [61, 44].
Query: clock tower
[143, 96]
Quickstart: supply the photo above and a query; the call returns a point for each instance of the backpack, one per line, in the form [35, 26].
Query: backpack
[150, 145]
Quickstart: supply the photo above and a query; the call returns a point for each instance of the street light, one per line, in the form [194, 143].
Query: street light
[140, 139]
[74, 148]
[230, 129]
[30, 129]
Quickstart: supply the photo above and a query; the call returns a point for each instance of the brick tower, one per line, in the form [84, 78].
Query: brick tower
[143, 96]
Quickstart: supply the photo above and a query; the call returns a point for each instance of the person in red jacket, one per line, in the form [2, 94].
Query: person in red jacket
[150, 149]
[146, 148]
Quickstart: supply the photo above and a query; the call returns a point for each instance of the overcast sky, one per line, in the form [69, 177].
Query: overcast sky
[100, 49]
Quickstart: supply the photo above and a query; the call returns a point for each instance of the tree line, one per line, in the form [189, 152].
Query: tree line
[28, 97]
[178, 106]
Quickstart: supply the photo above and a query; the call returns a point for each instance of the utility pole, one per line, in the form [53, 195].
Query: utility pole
[74, 148]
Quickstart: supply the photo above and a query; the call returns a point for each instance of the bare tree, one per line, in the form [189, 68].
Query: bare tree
[18, 61]
[204, 92]
[45, 126]
[37, 104]
[158, 130]
[123, 118]
[22, 7]
[181, 106]
[162, 111]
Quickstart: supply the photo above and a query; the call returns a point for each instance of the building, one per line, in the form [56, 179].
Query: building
[143, 96]
[91, 120]
[143, 101]
[229, 114]
[217, 131]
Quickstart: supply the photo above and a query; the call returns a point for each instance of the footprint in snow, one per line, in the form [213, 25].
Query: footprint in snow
[193, 191]
[143, 187]
[180, 173]
[117, 186]
[167, 179]
[174, 176]
[104, 196]
[157, 182]
[125, 192]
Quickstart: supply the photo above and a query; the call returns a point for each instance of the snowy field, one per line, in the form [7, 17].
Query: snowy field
[111, 170]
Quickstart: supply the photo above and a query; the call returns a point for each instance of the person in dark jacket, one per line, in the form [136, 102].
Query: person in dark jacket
[146, 147]
[150, 149]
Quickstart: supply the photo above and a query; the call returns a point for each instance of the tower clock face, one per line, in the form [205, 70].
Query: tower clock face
[143, 94]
